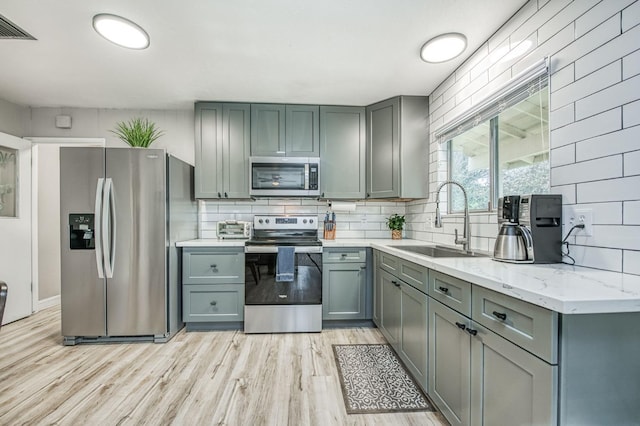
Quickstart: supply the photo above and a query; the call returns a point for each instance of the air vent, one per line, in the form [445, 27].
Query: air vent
[10, 30]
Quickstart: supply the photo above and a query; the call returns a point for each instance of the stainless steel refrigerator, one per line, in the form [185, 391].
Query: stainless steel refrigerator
[122, 210]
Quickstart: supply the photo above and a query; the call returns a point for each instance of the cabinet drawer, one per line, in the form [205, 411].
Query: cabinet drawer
[451, 291]
[333, 255]
[213, 266]
[213, 303]
[414, 274]
[389, 262]
[529, 326]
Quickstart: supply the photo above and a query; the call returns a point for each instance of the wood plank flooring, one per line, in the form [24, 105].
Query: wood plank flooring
[197, 378]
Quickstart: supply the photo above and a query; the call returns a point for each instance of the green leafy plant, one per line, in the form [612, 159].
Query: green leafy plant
[395, 222]
[139, 132]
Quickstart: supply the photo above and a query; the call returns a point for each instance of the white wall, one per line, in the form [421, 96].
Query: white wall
[594, 47]
[13, 118]
[177, 125]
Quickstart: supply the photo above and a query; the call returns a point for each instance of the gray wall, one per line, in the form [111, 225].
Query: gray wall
[178, 126]
[594, 121]
[13, 118]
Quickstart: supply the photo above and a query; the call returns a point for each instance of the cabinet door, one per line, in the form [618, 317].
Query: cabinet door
[208, 155]
[509, 386]
[414, 332]
[303, 132]
[343, 291]
[383, 149]
[268, 130]
[343, 146]
[450, 363]
[390, 310]
[235, 151]
[377, 289]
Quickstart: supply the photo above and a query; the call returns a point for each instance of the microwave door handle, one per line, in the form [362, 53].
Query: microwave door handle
[306, 176]
[97, 225]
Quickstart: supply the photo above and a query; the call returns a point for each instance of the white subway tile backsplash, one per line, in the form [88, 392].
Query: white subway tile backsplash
[562, 78]
[602, 213]
[588, 42]
[587, 171]
[611, 97]
[563, 155]
[621, 189]
[582, 87]
[631, 114]
[631, 262]
[562, 116]
[543, 15]
[597, 257]
[632, 164]
[631, 16]
[593, 17]
[613, 236]
[559, 20]
[631, 213]
[612, 143]
[606, 122]
[631, 64]
[568, 192]
[612, 51]
[234, 208]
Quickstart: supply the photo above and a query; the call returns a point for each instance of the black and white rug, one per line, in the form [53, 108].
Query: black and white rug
[374, 381]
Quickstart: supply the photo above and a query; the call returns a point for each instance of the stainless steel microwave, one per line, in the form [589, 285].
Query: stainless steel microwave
[284, 176]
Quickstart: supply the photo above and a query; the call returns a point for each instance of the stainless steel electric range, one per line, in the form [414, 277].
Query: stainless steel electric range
[273, 306]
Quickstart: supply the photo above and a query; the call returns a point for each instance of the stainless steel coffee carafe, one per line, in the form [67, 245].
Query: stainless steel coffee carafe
[512, 243]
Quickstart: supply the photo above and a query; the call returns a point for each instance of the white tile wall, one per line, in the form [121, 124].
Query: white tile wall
[594, 50]
[369, 220]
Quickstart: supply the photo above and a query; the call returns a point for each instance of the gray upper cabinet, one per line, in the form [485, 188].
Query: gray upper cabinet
[285, 130]
[397, 148]
[222, 150]
[343, 145]
[303, 131]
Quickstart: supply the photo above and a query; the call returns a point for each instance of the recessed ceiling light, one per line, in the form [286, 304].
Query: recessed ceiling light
[443, 47]
[121, 31]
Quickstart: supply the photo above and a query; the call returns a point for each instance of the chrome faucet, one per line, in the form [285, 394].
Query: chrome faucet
[466, 236]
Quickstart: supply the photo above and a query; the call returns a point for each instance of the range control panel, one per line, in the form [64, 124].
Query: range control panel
[285, 222]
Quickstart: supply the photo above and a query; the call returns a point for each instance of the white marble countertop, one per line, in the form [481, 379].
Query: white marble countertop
[562, 288]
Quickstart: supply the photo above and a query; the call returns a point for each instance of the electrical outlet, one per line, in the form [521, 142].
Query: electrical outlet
[430, 221]
[581, 216]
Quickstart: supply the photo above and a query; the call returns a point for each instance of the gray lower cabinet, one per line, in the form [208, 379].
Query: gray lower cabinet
[390, 310]
[377, 290]
[222, 150]
[344, 284]
[212, 285]
[343, 145]
[414, 332]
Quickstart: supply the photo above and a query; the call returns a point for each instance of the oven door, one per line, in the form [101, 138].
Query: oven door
[261, 287]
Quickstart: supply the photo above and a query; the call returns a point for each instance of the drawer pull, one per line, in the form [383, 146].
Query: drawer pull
[443, 289]
[214, 267]
[472, 331]
[343, 255]
[499, 315]
[213, 303]
[461, 326]
[396, 283]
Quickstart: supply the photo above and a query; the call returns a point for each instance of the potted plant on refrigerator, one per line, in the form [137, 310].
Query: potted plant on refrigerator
[395, 222]
[137, 132]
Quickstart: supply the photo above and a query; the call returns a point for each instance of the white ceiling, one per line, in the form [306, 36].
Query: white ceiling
[342, 52]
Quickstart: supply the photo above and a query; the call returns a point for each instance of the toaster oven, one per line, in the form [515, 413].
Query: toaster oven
[228, 229]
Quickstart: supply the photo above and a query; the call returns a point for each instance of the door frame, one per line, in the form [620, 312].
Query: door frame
[60, 142]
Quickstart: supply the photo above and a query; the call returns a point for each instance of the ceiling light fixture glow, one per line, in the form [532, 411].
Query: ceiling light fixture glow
[121, 31]
[443, 48]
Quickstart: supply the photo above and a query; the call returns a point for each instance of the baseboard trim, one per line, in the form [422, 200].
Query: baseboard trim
[48, 303]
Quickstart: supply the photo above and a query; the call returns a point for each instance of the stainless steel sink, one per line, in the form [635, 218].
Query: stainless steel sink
[439, 251]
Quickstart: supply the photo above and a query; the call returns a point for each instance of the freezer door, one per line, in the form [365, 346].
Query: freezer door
[136, 242]
[82, 290]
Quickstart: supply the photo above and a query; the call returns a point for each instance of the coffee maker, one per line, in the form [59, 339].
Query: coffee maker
[530, 229]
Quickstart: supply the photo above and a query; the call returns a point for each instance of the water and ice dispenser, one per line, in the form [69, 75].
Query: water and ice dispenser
[81, 232]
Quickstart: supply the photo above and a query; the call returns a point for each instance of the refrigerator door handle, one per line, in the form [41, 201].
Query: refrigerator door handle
[109, 227]
[98, 227]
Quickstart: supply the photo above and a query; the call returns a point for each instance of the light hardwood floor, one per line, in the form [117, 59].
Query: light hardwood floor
[197, 378]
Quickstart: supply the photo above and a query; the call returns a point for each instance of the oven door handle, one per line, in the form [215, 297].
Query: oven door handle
[274, 249]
